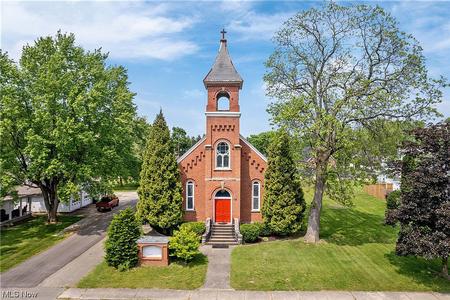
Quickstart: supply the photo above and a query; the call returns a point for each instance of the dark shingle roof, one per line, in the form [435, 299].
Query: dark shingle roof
[223, 70]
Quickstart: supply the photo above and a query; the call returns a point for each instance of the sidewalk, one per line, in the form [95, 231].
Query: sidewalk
[212, 294]
[219, 267]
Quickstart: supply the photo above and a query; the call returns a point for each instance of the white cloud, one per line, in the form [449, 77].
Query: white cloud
[125, 29]
[253, 26]
[238, 6]
[428, 22]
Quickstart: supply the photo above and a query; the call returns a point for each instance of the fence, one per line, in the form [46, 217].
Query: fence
[379, 190]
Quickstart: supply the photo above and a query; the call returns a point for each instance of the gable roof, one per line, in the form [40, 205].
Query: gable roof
[223, 70]
[182, 157]
[253, 148]
[24, 191]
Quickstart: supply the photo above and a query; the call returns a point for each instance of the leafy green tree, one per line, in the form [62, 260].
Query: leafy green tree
[261, 140]
[424, 211]
[65, 120]
[160, 200]
[120, 246]
[139, 138]
[181, 141]
[283, 205]
[337, 69]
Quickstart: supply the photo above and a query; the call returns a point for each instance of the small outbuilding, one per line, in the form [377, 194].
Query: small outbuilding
[153, 250]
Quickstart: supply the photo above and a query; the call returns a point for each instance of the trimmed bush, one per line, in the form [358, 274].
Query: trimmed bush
[121, 248]
[184, 244]
[392, 204]
[250, 232]
[264, 229]
[197, 227]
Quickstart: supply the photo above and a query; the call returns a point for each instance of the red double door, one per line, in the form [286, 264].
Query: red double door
[223, 210]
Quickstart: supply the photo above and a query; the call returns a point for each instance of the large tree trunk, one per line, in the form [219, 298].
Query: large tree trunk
[312, 233]
[444, 271]
[50, 200]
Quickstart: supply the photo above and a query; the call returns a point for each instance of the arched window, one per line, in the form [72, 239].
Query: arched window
[190, 195]
[256, 196]
[223, 194]
[223, 101]
[222, 156]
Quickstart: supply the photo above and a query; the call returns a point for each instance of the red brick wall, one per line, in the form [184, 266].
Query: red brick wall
[199, 165]
[233, 91]
[193, 168]
[252, 168]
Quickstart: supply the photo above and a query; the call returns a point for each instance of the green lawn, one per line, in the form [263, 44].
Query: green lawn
[125, 187]
[174, 276]
[29, 238]
[357, 253]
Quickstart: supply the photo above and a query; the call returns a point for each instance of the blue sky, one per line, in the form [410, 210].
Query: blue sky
[168, 47]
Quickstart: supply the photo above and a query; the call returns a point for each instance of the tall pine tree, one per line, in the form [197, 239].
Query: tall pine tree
[284, 204]
[160, 200]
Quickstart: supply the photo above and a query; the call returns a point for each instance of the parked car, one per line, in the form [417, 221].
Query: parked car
[107, 202]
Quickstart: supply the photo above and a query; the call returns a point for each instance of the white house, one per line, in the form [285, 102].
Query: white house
[30, 200]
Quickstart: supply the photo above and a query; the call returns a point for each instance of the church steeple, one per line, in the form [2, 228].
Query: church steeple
[223, 71]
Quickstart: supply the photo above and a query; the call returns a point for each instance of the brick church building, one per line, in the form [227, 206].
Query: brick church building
[223, 174]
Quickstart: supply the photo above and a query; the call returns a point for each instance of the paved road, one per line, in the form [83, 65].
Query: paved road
[34, 270]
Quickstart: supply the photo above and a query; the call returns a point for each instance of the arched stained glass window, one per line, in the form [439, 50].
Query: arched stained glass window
[222, 156]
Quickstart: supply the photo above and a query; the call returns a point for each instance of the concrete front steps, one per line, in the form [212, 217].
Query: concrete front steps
[222, 234]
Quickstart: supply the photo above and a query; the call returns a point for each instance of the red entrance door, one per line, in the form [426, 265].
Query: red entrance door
[223, 210]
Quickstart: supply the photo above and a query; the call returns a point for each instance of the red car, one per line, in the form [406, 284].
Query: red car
[107, 202]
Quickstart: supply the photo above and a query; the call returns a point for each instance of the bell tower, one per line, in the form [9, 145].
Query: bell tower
[222, 144]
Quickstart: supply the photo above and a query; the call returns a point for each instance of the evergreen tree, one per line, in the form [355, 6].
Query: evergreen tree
[284, 204]
[424, 211]
[160, 200]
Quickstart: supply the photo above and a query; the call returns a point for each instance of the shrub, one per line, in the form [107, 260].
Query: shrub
[197, 227]
[392, 204]
[264, 229]
[250, 232]
[121, 248]
[184, 244]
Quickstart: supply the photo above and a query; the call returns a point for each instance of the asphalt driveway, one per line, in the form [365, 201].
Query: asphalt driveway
[92, 229]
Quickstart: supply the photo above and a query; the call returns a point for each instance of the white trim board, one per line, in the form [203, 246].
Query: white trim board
[222, 114]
